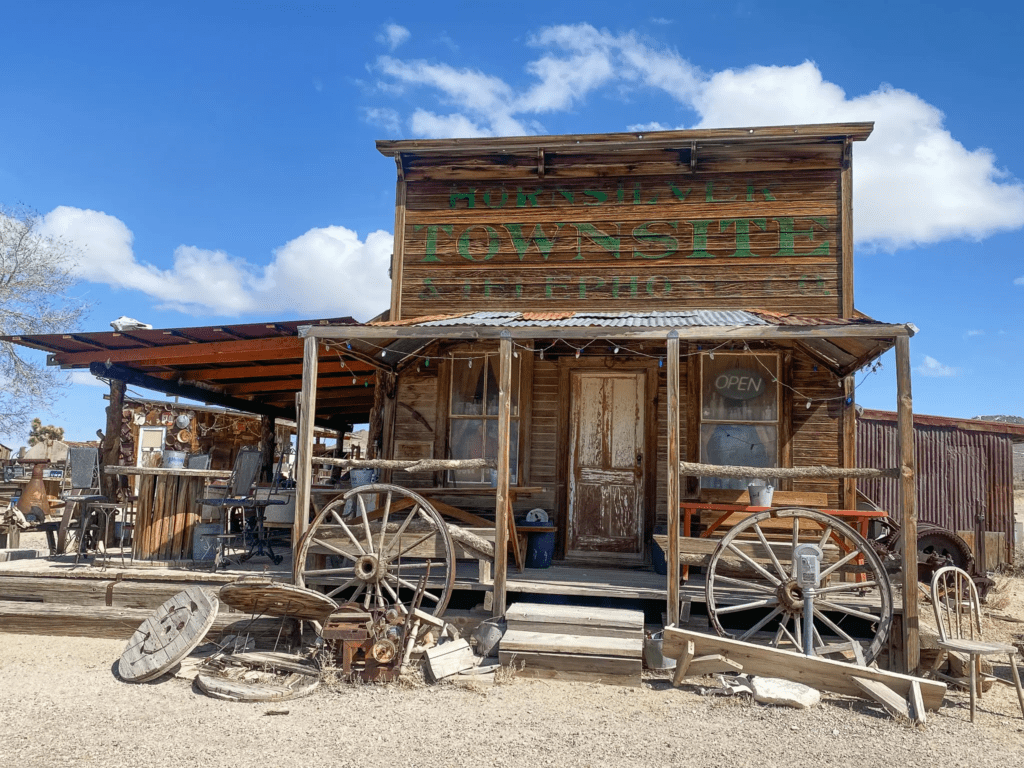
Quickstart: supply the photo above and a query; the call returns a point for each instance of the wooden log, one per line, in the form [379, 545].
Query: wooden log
[418, 465]
[742, 473]
[816, 672]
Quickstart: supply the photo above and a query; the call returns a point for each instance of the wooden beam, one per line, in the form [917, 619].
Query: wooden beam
[908, 505]
[846, 229]
[304, 443]
[335, 380]
[817, 672]
[672, 468]
[199, 394]
[502, 506]
[278, 370]
[704, 333]
[191, 354]
[398, 250]
[584, 142]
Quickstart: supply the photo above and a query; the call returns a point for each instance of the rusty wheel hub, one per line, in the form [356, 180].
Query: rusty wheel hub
[791, 597]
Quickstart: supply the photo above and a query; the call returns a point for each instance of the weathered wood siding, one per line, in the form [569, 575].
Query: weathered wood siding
[416, 417]
[729, 236]
[817, 432]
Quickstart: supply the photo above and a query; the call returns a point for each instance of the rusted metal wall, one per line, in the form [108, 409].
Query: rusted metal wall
[960, 474]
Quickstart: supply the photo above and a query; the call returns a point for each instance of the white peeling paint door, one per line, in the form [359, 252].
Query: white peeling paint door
[606, 466]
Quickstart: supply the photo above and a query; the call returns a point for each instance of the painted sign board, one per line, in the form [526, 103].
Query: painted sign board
[761, 240]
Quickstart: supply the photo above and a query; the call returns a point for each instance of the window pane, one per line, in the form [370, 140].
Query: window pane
[467, 443]
[740, 388]
[492, 448]
[468, 387]
[738, 445]
[493, 377]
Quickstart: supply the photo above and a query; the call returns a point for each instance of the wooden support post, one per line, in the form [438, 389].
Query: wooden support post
[846, 230]
[110, 449]
[267, 447]
[908, 505]
[672, 493]
[504, 450]
[304, 441]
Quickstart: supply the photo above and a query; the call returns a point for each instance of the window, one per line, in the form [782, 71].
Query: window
[739, 413]
[473, 415]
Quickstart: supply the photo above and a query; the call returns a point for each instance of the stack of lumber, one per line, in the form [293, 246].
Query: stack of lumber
[569, 642]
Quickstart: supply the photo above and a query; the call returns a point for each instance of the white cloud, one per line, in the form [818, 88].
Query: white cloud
[1019, 281]
[385, 118]
[85, 379]
[969, 334]
[933, 368]
[914, 183]
[661, 20]
[646, 127]
[326, 271]
[393, 35]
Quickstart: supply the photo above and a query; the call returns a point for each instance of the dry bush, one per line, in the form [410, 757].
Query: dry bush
[506, 673]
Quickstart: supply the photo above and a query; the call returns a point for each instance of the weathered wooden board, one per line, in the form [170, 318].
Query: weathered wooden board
[233, 684]
[516, 640]
[619, 243]
[823, 674]
[264, 597]
[575, 620]
[167, 636]
[597, 667]
[99, 620]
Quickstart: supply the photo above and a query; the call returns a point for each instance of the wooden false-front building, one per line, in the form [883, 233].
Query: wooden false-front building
[656, 297]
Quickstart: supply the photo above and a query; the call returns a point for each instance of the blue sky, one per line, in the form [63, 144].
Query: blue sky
[214, 161]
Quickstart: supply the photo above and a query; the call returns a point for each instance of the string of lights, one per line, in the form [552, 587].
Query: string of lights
[616, 348]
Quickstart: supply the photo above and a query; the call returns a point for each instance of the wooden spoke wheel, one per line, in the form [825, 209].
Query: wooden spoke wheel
[374, 546]
[752, 592]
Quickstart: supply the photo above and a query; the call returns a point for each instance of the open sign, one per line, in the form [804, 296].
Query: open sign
[740, 384]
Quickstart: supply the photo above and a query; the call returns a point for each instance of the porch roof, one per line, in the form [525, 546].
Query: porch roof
[842, 344]
[253, 367]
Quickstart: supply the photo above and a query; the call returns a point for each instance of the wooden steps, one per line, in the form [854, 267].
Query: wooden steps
[568, 642]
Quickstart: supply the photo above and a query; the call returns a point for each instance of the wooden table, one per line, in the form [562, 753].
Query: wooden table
[859, 519]
[167, 509]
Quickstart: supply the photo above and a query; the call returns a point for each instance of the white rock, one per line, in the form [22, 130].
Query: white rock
[773, 690]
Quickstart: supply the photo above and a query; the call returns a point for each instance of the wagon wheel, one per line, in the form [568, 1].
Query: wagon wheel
[752, 569]
[376, 557]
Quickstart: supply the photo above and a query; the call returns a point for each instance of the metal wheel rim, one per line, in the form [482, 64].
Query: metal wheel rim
[379, 570]
[790, 619]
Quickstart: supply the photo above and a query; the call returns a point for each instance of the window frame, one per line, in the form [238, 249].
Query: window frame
[520, 415]
[777, 423]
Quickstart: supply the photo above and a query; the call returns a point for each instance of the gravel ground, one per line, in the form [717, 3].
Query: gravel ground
[63, 705]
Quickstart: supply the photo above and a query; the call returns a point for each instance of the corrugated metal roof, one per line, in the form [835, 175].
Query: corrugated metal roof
[664, 319]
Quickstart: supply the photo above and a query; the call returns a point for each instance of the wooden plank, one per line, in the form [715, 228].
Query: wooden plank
[908, 506]
[683, 663]
[531, 670]
[567, 662]
[846, 229]
[582, 620]
[398, 250]
[779, 498]
[118, 623]
[892, 702]
[917, 709]
[823, 674]
[547, 642]
[672, 460]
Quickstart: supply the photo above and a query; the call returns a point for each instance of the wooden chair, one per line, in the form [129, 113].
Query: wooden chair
[958, 616]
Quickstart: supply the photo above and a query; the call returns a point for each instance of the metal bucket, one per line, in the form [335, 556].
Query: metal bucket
[760, 494]
[174, 459]
[487, 635]
[653, 657]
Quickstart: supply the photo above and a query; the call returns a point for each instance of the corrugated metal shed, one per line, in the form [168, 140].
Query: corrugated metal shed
[964, 468]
